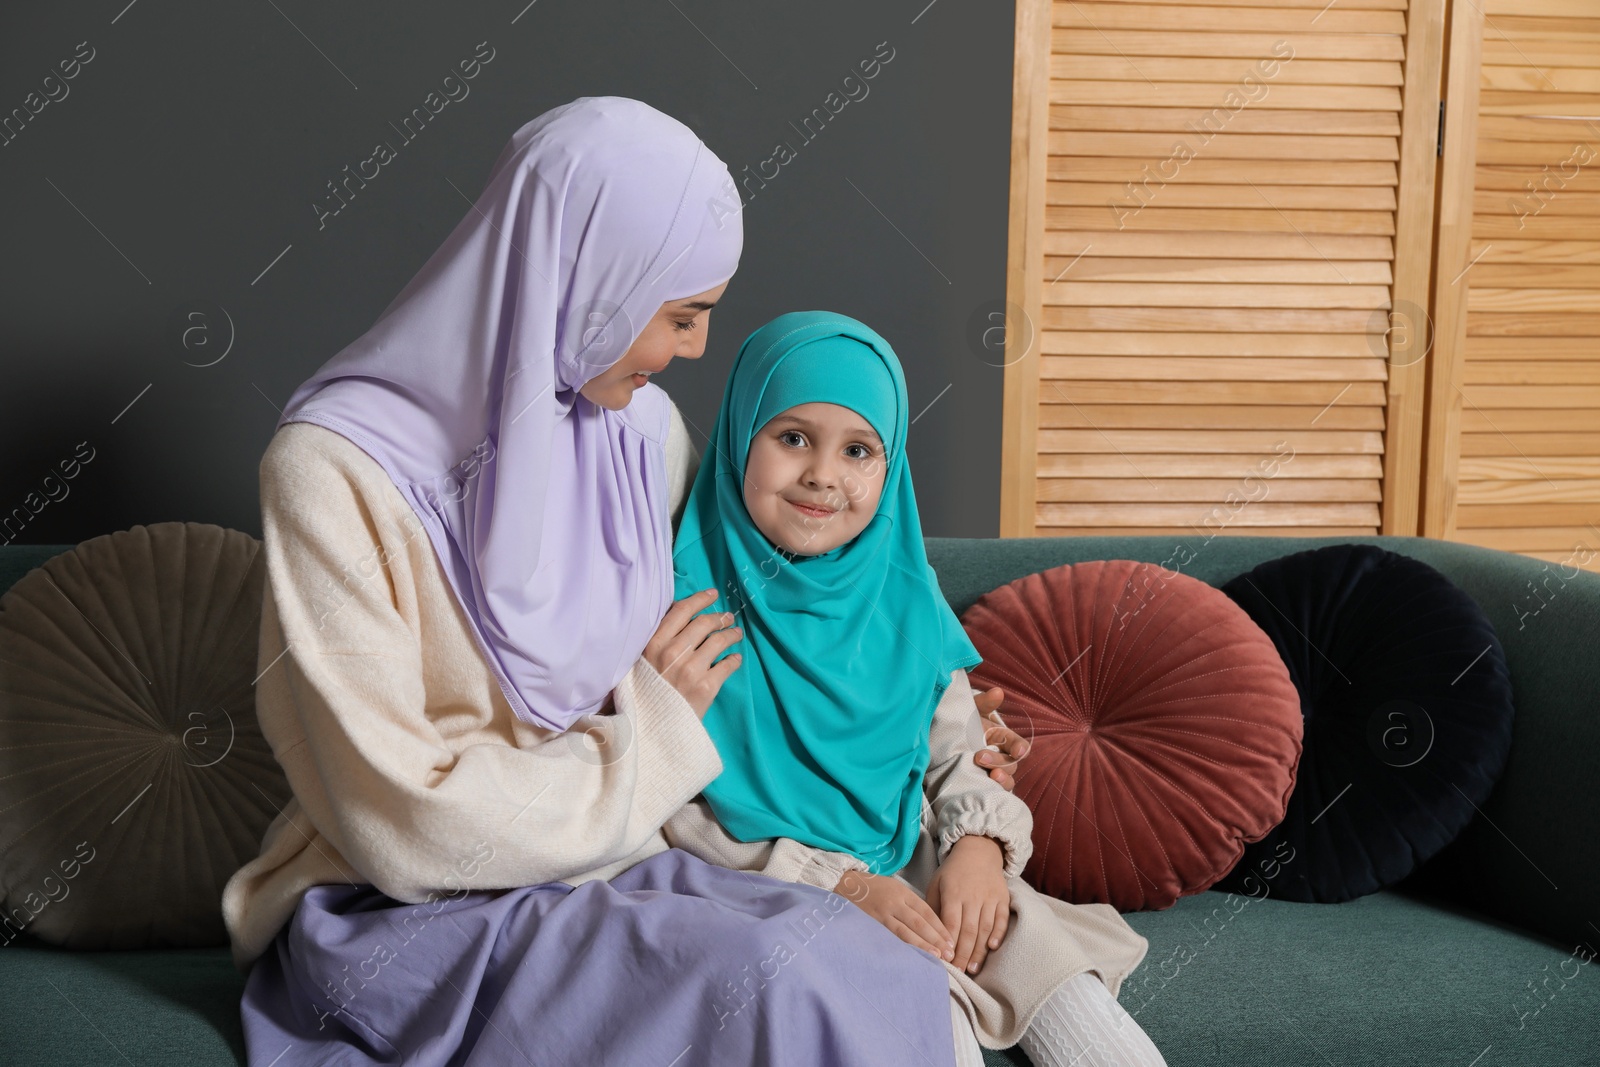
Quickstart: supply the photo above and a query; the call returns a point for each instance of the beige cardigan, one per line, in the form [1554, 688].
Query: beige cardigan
[411, 773]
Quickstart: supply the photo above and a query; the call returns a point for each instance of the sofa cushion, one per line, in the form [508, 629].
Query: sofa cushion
[133, 775]
[1407, 704]
[1165, 729]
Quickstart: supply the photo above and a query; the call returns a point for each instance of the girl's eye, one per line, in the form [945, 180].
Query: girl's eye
[792, 438]
[858, 451]
[684, 325]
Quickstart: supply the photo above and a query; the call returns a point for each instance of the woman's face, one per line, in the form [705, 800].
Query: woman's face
[813, 477]
[677, 330]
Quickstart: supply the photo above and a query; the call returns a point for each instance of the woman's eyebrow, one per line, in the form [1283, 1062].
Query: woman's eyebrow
[701, 305]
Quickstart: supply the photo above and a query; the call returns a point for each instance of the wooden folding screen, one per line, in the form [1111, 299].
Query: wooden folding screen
[1514, 412]
[1221, 242]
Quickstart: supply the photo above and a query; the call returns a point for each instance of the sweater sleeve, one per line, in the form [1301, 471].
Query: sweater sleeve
[965, 799]
[696, 830]
[683, 461]
[343, 703]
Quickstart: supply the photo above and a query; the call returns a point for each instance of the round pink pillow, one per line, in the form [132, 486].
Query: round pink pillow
[1165, 728]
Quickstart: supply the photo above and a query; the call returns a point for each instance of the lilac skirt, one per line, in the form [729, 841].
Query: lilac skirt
[673, 963]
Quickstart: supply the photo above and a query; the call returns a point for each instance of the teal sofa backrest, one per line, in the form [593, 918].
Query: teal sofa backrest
[1532, 856]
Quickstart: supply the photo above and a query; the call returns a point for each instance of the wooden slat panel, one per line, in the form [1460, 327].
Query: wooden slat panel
[1537, 227]
[1326, 248]
[1210, 369]
[1541, 514]
[1574, 8]
[1534, 396]
[1243, 320]
[1486, 299]
[1523, 206]
[1524, 251]
[1207, 95]
[1515, 468]
[1235, 442]
[1132, 217]
[1212, 310]
[1531, 276]
[1563, 79]
[1185, 69]
[1530, 444]
[1181, 194]
[1181, 294]
[1513, 180]
[1256, 271]
[1533, 372]
[1206, 416]
[1522, 538]
[1189, 464]
[1534, 325]
[1506, 102]
[1564, 490]
[1224, 172]
[1276, 345]
[1253, 120]
[1225, 145]
[1251, 46]
[1317, 395]
[1528, 420]
[1552, 52]
[1480, 346]
[1211, 490]
[1189, 534]
[1112, 16]
[1252, 513]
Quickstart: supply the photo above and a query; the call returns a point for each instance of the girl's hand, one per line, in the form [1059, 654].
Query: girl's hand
[969, 892]
[685, 644]
[1013, 746]
[897, 906]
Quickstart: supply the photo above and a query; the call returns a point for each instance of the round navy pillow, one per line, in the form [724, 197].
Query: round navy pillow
[1407, 705]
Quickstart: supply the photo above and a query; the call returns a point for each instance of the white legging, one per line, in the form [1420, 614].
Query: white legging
[1081, 1025]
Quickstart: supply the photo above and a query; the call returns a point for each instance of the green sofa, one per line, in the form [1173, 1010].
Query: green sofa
[1478, 960]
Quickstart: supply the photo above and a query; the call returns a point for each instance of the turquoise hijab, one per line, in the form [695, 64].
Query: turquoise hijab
[823, 729]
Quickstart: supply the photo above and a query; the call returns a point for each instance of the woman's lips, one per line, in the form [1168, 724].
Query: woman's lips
[811, 511]
[639, 379]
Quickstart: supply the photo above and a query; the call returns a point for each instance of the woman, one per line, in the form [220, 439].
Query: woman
[465, 874]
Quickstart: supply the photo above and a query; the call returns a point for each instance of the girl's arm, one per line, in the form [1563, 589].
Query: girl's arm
[964, 799]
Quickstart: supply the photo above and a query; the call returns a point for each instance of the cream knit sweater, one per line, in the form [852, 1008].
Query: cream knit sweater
[409, 769]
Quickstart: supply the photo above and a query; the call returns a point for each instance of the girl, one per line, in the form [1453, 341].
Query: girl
[847, 731]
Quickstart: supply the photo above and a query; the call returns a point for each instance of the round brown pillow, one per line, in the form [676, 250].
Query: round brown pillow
[133, 776]
[1165, 729]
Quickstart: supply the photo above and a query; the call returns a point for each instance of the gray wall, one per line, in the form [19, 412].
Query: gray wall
[168, 282]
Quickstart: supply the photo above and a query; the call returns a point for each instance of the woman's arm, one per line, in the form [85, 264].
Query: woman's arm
[342, 700]
[965, 799]
[696, 830]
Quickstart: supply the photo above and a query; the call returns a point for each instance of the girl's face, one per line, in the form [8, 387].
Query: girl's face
[678, 330]
[813, 477]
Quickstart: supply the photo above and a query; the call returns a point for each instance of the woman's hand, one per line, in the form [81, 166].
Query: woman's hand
[1013, 746]
[686, 643]
[969, 892]
[897, 906]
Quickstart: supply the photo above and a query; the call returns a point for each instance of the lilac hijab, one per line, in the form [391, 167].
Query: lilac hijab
[548, 512]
